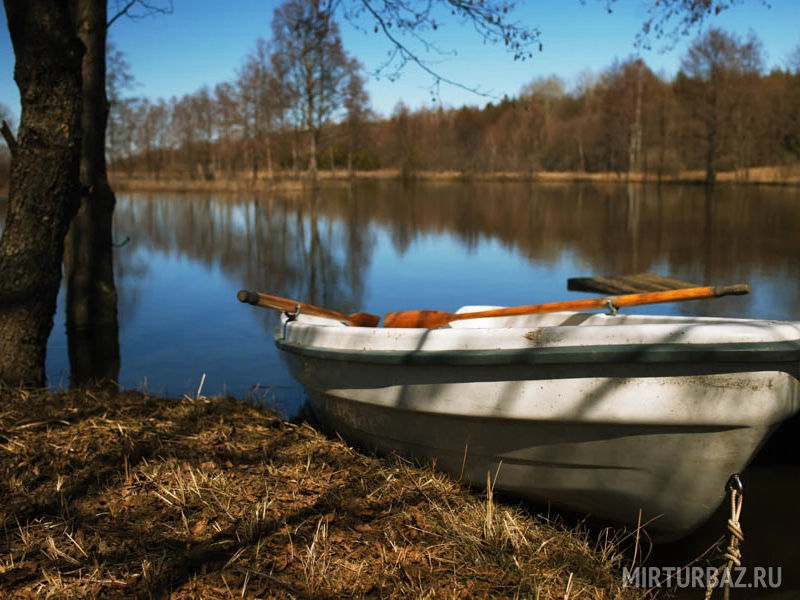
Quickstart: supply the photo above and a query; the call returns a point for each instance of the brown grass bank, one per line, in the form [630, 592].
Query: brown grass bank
[786, 175]
[126, 495]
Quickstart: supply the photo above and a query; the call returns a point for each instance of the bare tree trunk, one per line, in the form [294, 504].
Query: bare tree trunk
[295, 158]
[312, 160]
[92, 329]
[254, 161]
[711, 140]
[711, 155]
[44, 188]
[635, 142]
[269, 158]
[662, 139]
[350, 170]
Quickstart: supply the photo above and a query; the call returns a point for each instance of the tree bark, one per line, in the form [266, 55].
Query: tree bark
[92, 329]
[312, 159]
[44, 186]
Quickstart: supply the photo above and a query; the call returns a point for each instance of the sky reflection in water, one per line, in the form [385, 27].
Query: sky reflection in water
[384, 247]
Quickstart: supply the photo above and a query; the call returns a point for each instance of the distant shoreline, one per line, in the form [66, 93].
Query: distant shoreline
[287, 182]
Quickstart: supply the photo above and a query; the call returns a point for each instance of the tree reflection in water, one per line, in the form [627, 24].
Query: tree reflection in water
[276, 244]
[369, 248]
[359, 248]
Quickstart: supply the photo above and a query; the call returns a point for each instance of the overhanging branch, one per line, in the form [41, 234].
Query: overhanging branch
[146, 9]
[11, 141]
[396, 19]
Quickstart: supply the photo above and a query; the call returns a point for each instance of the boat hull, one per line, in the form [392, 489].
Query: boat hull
[618, 438]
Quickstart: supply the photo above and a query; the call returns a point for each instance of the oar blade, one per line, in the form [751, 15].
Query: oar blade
[363, 320]
[427, 319]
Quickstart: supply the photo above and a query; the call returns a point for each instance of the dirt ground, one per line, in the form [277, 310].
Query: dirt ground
[123, 495]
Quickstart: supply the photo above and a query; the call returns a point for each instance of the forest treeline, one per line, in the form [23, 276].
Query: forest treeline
[720, 112]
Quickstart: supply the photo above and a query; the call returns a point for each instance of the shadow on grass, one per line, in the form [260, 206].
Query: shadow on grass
[123, 495]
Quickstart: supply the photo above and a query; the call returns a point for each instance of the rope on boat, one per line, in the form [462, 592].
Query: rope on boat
[733, 554]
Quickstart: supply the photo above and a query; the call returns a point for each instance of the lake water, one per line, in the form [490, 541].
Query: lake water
[380, 247]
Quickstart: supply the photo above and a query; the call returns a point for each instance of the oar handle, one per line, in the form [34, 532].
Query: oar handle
[738, 289]
[695, 293]
[288, 305]
[433, 318]
[285, 304]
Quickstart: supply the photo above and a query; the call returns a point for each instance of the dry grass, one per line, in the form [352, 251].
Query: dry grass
[285, 183]
[124, 495]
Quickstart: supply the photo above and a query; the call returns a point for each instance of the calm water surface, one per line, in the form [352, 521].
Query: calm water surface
[384, 247]
[381, 247]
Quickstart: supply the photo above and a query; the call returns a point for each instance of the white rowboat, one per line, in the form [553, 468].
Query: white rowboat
[601, 414]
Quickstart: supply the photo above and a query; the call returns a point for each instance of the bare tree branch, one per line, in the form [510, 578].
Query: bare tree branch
[401, 22]
[405, 55]
[9, 138]
[145, 9]
[671, 20]
[120, 12]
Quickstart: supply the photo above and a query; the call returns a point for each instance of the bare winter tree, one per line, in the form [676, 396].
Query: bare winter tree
[44, 188]
[404, 141]
[229, 116]
[624, 91]
[55, 44]
[792, 136]
[308, 50]
[710, 82]
[356, 105]
[119, 81]
[151, 136]
[59, 50]
[263, 101]
[92, 328]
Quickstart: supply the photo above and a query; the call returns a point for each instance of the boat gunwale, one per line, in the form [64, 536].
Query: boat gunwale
[787, 351]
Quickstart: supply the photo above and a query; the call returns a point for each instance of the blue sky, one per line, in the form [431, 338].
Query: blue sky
[203, 42]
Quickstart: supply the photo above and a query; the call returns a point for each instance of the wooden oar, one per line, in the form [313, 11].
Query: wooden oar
[432, 319]
[285, 304]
